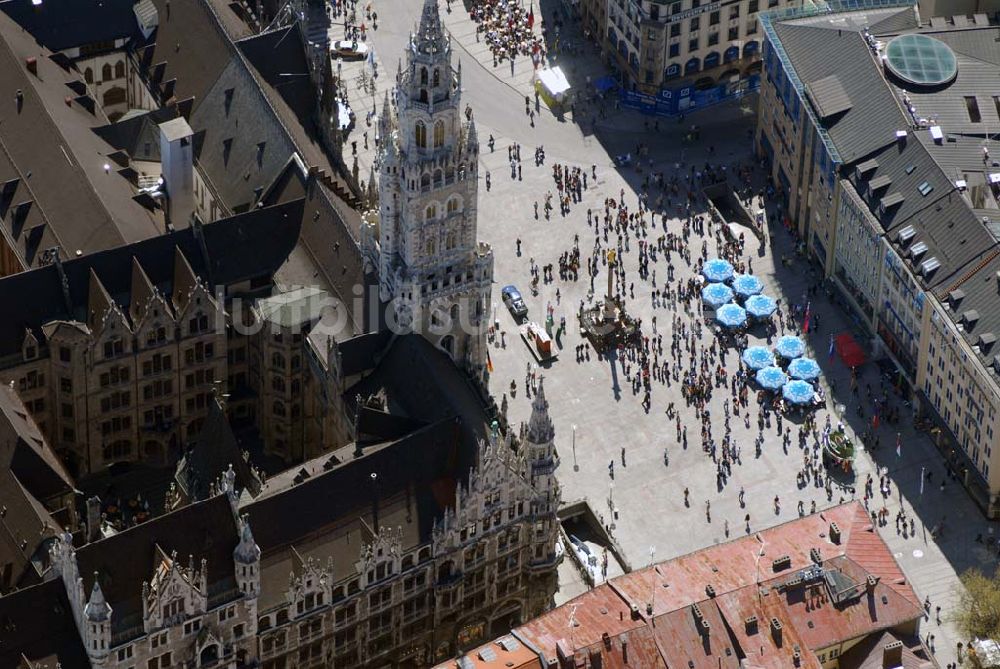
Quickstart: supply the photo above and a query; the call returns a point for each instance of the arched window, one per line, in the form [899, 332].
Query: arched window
[438, 134]
[420, 131]
[88, 75]
[453, 205]
[425, 181]
[278, 409]
[438, 177]
[437, 77]
[423, 76]
[278, 384]
[431, 212]
[455, 312]
[449, 241]
[120, 69]
[278, 360]
[106, 72]
[431, 247]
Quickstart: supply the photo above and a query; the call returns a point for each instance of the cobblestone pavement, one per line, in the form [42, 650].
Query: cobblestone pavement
[591, 399]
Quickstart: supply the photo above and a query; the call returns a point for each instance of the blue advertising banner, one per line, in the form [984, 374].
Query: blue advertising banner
[670, 102]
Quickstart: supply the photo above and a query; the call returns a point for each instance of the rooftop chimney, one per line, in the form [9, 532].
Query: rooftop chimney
[177, 164]
[892, 655]
[835, 532]
[751, 625]
[776, 631]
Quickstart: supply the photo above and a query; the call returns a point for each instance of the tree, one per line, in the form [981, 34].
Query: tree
[978, 612]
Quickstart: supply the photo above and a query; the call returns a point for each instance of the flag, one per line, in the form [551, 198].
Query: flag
[531, 16]
[899, 445]
[830, 353]
[489, 363]
[805, 323]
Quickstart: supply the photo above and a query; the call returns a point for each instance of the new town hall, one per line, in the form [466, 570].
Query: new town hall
[414, 523]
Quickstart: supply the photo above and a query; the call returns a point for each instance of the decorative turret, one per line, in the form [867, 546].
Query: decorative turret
[97, 623]
[540, 428]
[246, 556]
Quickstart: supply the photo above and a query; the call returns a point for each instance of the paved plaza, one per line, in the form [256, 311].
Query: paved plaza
[591, 402]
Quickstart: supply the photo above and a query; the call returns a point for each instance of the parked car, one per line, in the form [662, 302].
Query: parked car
[347, 48]
[514, 302]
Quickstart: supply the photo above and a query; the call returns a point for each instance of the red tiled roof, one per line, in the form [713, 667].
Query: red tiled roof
[823, 622]
[866, 547]
[651, 609]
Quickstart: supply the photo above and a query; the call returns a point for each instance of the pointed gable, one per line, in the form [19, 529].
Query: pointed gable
[142, 291]
[184, 281]
[98, 303]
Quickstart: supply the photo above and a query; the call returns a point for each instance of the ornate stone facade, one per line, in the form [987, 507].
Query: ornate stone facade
[430, 265]
[489, 562]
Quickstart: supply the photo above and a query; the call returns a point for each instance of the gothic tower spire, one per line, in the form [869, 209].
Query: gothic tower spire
[432, 270]
[430, 38]
[540, 428]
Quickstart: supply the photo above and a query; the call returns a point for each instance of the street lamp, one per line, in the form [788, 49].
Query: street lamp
[652, 579]
[576, 467]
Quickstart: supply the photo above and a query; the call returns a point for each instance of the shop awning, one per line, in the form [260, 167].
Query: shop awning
[849, 350]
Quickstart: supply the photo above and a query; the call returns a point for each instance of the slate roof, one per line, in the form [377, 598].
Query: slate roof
[64, 24]
[189, 43]
[54, 162]
[137, 132]
[828, 96]
[211, 455]
[239, 248]
[359, 354]
[281, 62]
[241, 147]
[37, 624]
[619, 607]
[430, 461]
[420, 381]
[899, 20]
[204, 529]
[819, 50]
[416, 479]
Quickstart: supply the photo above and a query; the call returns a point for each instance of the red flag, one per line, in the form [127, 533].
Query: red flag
[805, 324]
[531, 15]
[489, 363]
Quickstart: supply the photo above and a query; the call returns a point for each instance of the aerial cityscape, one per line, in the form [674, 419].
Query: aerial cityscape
[482, 334]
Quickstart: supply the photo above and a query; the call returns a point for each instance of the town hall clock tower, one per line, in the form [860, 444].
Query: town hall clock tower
[431, 269]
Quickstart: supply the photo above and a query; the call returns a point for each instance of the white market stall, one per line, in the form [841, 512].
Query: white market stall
[553, 86]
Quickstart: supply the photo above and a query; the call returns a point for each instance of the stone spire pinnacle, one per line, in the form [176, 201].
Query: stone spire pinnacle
[97, 608]
[540, 428]
[430, 38]
[247, 551]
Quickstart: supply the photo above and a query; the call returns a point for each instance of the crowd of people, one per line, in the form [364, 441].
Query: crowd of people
[508, 30]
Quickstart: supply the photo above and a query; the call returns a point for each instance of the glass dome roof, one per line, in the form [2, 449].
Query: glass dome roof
[921, 60]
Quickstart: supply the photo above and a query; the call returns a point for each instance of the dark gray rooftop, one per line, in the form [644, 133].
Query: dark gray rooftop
[817, 52]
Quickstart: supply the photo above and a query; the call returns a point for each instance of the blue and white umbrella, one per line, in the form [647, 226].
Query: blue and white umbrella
[747, 284]
[790, 347]
[717, 270]
[798, 392]
[771, 378]
[760, 306]
[731, 315]
[758, 357]
[804, 368]
[716, 294]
